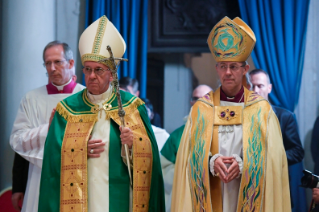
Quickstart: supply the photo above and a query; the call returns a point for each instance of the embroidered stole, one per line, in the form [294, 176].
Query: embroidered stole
[73, 186]
[205, 119]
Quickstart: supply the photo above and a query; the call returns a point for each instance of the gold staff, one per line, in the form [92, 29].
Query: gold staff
[121, 111]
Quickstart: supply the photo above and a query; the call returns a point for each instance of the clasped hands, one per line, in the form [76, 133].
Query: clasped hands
[226, 174]
[96, 146]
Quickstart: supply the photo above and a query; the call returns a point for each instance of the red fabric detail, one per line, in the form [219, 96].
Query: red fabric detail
[5, 202]
[66, 89]
[238, 96]
[69, 87]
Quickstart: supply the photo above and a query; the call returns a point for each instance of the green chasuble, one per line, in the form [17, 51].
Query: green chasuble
[63, 185]
[170, 148]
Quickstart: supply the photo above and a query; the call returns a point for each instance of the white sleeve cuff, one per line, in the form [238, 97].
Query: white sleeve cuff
[212, 162]
[240, 163]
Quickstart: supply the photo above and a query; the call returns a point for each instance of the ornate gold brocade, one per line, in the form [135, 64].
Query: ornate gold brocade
[73, 193]
[142, 156]
[204, 120]
[73, 186]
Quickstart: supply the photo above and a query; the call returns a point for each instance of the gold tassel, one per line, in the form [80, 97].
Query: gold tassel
[75, 118]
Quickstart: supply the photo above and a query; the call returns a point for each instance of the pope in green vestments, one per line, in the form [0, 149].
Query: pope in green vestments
[84, 166]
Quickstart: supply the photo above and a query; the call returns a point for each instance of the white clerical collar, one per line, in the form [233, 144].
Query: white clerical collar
[60, 87]
[96, 99]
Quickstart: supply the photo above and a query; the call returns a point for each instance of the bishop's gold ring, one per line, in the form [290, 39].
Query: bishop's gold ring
[91, 151]
[217, 174]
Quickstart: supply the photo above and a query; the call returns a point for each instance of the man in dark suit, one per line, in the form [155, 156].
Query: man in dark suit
[315, 146]
[315, 157]
[19, 180]
[288, 124]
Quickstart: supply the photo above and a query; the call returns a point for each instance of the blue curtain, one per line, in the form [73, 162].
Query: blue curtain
[280, 28]
[130, 18]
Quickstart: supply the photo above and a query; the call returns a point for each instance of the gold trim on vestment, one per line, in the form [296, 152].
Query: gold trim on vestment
[64, 111]
[251, 192]
[74, 155]
[205, 133]
[142, 154]
[73, 185]
[215, 182]
[201, 128]
[112, 112]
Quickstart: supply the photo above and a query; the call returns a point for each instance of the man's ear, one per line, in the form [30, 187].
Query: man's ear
[137, 93]
[71, 63]
[74, 78]
[246, 68]
[269, 88]
[111, 78]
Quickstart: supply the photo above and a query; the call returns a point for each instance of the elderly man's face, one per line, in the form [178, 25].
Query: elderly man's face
[231, 75]
[261, 84]
[97, 83]
[57, 66]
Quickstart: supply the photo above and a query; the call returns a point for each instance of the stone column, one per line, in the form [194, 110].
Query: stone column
[26, 27]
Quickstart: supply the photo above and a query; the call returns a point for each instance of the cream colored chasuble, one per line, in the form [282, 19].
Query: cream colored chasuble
[230, 139]
[98, 168]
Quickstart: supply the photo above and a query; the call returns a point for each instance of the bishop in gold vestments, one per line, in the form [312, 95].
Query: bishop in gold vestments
[231, 156]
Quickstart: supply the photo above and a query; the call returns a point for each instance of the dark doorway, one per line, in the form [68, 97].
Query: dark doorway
[155, 85]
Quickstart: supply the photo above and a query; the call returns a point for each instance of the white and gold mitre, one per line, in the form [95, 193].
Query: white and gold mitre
[231, 40]
[96, 38]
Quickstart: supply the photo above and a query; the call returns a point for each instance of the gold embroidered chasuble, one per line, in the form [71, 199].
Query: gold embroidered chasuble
[71, 175]
[264, 181]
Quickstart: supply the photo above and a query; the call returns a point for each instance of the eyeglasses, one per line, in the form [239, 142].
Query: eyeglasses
[98, 71]
[232, 68]
[56, 63]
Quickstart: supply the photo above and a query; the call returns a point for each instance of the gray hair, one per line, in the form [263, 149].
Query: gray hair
[68, 54]
[247, 76]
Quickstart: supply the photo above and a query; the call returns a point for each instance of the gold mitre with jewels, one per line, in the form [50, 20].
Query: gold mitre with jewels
[231, 40]
[96, 38]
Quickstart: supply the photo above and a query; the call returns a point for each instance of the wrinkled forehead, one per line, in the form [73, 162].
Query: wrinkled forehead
[54, 52]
